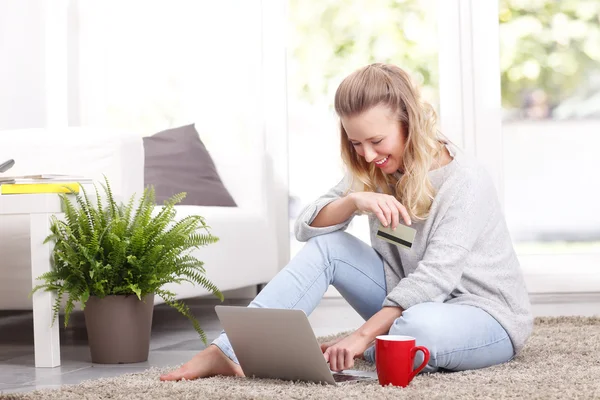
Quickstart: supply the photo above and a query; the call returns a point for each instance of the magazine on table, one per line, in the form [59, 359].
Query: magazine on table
[39, 183]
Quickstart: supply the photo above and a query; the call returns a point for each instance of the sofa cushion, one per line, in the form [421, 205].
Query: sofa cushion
[177, 161]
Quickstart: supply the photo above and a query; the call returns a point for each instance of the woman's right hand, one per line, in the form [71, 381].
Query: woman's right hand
[326, 345]
[387, 209]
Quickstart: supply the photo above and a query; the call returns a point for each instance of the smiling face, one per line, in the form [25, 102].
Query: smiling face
[377, 136]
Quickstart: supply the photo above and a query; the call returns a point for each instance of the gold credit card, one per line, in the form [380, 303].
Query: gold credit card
[403, 236]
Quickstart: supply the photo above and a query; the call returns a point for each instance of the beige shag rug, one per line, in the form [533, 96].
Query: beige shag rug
[560, 361]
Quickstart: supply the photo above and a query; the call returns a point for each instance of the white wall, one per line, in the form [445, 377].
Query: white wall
[22, 65]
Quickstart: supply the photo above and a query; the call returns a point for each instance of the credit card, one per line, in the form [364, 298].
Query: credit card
[403, 236]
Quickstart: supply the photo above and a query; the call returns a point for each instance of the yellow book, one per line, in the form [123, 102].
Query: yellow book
[30, 188]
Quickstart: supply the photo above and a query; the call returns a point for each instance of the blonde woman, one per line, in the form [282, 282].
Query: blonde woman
[459, 290]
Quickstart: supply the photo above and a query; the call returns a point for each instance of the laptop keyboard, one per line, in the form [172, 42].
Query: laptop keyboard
[345, 377]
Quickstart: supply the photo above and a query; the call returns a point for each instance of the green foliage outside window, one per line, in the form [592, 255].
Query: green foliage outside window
[544, 44]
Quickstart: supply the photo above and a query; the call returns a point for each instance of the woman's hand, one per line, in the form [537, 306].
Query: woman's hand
[326, 345]
[340, 353]
[387, 209]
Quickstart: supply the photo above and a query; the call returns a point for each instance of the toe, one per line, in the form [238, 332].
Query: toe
[171, 376]
[165, 377]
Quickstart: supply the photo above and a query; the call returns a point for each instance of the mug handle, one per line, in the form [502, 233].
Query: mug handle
[413, 353]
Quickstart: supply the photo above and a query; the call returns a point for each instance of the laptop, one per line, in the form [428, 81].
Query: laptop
[280, 344]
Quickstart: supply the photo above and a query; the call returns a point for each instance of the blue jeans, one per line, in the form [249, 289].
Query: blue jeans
[458, 337]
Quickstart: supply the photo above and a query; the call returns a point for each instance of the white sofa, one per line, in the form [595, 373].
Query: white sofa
[245, 255]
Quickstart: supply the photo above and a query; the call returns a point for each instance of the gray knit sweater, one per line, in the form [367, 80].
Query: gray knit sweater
[462, 253]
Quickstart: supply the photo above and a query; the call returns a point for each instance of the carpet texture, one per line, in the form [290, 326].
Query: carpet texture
[560, 361]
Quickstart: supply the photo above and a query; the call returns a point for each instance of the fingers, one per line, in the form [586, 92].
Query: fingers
[324, 346]
[341, 356]
[330, 358]
[336, 360]
[339, 359]
[380, 215]
[387, 213]
[403, 212]
[386, 208]
[395, 213]
[391, 211]
[348, 360]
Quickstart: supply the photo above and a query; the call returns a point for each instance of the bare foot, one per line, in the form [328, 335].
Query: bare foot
[209, 362]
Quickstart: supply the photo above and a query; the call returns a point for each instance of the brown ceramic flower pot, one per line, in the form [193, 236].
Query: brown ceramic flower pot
[118, 328]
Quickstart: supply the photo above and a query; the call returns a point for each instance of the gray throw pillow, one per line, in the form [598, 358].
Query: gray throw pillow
[177, 161]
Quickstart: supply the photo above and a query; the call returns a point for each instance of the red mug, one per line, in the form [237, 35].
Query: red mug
[394, 359]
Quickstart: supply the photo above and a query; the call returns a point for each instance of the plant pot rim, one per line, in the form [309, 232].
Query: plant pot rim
[121, 295]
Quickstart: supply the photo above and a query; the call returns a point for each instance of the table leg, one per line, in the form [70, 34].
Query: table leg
[46, 336]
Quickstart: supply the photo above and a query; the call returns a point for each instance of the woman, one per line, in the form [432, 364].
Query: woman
[459, 290]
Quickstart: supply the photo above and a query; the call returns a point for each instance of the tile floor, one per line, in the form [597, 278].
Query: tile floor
[174, 341]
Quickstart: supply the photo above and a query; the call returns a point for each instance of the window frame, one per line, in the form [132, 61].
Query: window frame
[469, 68]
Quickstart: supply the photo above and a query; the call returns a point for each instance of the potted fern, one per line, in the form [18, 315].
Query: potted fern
[113, 258]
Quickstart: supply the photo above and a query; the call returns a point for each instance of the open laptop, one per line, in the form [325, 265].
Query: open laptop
[280, 344]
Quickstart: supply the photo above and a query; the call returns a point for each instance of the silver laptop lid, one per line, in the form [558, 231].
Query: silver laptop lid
[274, 343]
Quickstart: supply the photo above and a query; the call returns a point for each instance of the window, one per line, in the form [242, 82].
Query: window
[550, 69]
[149, 66]
[327, 40]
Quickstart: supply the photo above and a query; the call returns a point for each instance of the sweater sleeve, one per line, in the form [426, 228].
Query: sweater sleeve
[302, 228]
[470, 208]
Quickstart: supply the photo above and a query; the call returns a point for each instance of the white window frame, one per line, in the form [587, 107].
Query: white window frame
[470, 115]
[274, 104]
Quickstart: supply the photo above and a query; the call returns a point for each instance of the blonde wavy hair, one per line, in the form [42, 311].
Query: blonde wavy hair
[389, 85]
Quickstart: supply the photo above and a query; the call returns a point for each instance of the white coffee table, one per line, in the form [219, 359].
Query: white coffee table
[39, 207]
